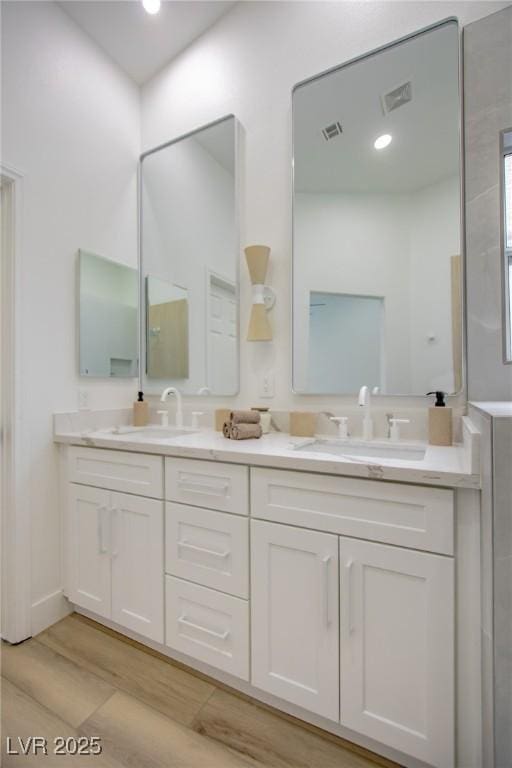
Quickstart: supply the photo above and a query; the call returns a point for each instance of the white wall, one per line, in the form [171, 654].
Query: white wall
[434, 238]
[247, 64]
[355, 244]
[70, 124]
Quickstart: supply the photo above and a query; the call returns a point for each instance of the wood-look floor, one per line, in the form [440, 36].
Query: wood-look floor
[78, 678]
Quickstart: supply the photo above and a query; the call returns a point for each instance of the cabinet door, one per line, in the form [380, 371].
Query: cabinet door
[294, 603]
[89, 555]
[138, 564]
[397, 648]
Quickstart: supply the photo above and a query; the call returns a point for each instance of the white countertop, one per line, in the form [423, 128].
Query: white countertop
[497, 409]
[449, 467]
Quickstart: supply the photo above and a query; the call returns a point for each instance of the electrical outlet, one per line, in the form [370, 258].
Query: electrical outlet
[267, 384]
[83, 400]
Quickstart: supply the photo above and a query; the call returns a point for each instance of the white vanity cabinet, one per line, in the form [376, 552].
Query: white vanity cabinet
[392, 677]
[207, 625]
[208, 484]
[207, 562]
[397, 648]
[294, 609]
[137, 473]
[88, 553]
[207, 547]
[396, 513]
[137, 564]
[334, 595]
[116, 545]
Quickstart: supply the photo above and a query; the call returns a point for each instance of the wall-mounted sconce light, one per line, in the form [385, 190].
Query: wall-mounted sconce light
[263, 297]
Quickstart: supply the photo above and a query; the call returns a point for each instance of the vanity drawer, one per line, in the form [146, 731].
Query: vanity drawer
[209, 548]
[407, 515]
[208, 626]
[208, 484]
[137, 473]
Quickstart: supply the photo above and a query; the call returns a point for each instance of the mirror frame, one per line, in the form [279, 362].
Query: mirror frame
[153, 389]
[462, 218]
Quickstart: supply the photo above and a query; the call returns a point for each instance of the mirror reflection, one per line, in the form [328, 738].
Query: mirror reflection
[190, 263]
[167, 330]
[377, 248]
[108, 324]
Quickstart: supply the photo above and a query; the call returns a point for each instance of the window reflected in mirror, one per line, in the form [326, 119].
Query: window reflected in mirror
[332, 318]
[377, 222]
[108, 323]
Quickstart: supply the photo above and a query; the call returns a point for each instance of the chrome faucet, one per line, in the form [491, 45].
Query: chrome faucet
[179, 409]
[364, 397]
[365, 402]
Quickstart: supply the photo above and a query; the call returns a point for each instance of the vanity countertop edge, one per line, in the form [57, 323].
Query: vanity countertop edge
[446, 467]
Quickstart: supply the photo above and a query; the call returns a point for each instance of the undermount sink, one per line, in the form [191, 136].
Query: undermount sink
[152, 432]
[364, 450]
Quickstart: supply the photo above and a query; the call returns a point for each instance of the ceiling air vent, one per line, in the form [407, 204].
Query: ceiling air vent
[332, 130]
[397, 97]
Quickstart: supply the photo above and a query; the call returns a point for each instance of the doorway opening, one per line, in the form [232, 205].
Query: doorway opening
[15, 521]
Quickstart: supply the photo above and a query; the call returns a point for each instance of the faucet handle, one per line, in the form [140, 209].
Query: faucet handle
[342, 422]
[195, 418]
[164, 418]
[394, 427]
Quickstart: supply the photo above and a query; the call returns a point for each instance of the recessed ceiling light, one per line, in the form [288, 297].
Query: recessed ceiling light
[383, 141]
[151, 6]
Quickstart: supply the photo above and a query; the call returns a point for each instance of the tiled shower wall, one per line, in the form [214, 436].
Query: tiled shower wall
[488, 111]
[502, 576]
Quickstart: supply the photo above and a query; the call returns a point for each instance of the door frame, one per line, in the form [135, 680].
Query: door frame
[15, 516]
[230, 285]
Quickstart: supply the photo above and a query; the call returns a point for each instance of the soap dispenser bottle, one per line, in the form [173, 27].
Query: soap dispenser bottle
[439, 421]
[140, 411]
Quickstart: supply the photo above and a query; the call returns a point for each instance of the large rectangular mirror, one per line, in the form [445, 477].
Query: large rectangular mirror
[108, 322]
[377, 294]
[189, 262]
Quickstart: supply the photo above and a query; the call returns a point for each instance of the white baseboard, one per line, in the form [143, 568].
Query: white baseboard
[48, 610]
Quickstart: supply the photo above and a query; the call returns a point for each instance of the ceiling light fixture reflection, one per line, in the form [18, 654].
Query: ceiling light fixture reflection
[151, 6]
[383, 141]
